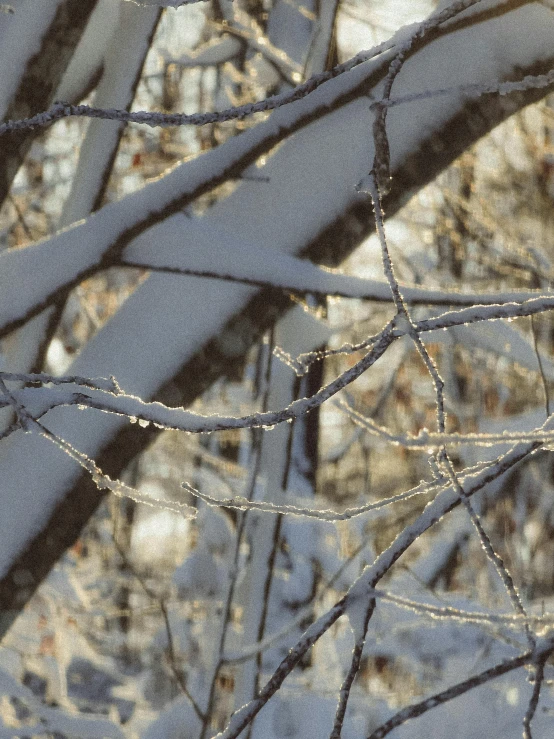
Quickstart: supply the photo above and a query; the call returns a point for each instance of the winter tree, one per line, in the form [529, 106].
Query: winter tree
[217, 219]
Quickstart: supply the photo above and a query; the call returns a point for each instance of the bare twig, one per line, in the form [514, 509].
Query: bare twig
[162, 605]
[538, 664]
[441, 505]
[417, 709]
[541, 366]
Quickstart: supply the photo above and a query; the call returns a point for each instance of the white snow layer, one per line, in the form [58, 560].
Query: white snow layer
[311, 181]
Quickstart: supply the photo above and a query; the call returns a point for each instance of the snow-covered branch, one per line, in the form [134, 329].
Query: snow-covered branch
[253, 216]
[413, 711]
[361, 591]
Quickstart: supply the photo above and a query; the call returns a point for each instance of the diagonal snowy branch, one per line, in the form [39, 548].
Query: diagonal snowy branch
[361, 590]
[167, 339]
[540, 654]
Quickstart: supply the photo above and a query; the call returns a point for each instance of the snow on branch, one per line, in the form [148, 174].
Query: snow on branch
[529, 82]
[61, 110]
[450, 613]
[104, 482]
[239, 503]
[427, 441]
[543, 650]
[65, 110]
[39, 401]
[107, 395]
[85, 245]
[110, 238]
[252, 264]
[360, 591]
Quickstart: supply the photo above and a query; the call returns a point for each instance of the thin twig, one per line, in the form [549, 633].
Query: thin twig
[428, 704]
[171, 654]
[251, 486]
[541, 367]
[534, 700]
[443, 458]
[442, 504]
[344, 693]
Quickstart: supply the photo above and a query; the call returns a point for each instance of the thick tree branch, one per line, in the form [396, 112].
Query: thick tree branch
[40, 80]
[214, 360]
[222, 353]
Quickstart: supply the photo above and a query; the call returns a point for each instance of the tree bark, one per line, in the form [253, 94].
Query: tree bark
[39, 82]
[333, 244]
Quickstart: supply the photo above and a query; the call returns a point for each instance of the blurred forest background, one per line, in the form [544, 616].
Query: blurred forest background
[157, 622]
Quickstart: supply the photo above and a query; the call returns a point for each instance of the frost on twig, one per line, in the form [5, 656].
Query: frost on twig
[419, 709]
[110, 241]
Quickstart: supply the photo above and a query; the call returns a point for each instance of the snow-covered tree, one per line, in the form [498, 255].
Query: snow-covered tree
[288, 150]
